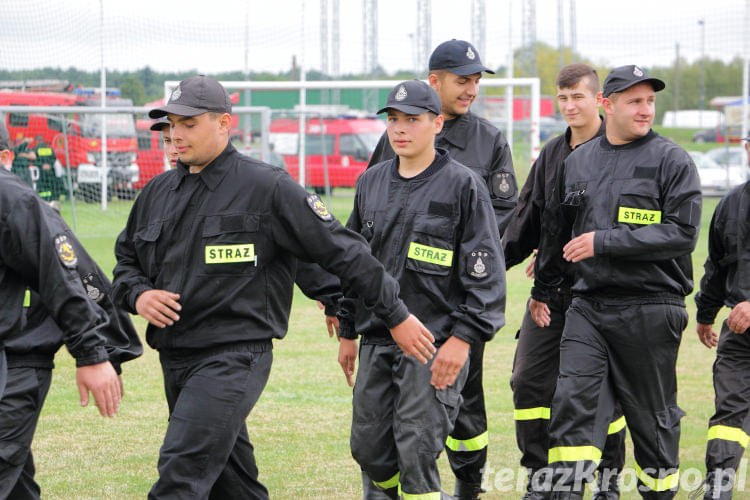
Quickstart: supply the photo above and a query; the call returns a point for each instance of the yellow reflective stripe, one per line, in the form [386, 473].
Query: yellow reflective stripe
[44, 152]
[531, 413]
[45, 193]
[728, 434]
[27, 298]
[668, 483]
[473, 444]
[222, 254]
[574, 454]
[638, 216]
[616, 426]
[432, 255]
[388, 483]
[419, 496]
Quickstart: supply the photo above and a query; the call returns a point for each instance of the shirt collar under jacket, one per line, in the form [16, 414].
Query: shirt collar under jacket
[457, 134]
[568, 133]
[441, 159]
[212, 174]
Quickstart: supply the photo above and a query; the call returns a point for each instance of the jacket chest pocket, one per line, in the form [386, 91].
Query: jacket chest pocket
[431, 245]
[638, 203]
[145, 240]
[230, 245]
[574, 200]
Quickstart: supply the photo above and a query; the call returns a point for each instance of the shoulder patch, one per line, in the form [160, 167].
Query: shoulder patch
[65, 251]
[319, 208]
[479, 264]
[93, 286]
[503, 185]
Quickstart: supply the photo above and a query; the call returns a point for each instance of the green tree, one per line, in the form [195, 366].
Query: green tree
[132, 88]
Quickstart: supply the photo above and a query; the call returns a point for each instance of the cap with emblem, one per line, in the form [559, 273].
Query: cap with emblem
[160, 124]
[458, 57]
[413, 97]
[624, 77]
[4, 137]
[194, 96]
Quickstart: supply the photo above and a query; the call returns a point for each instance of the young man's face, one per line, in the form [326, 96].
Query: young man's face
[170, 151]
[578, 105]
[411, 135]
[6, 158]
[630, 113]
[456, 92]
[199, 139]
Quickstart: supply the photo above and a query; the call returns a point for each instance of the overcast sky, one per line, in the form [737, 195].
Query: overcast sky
[211, 36]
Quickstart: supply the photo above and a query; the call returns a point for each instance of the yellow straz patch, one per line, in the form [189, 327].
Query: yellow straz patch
[638, 216]
[44, 152]
[430, 254]
[228, 254]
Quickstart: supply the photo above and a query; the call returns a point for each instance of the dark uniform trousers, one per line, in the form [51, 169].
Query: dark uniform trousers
[20, 406]
[400, 422]
[206, 451]
[729, 427]
[536, 365]
[626, 352]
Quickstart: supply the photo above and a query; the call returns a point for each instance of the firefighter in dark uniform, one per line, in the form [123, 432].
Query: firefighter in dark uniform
[208, 258]
[726, 283]
[49, 186]
[455, 71]
[23, 158]
[626, 214]
[536, 362]
[38, 252]
[430, 221]
[30, 354]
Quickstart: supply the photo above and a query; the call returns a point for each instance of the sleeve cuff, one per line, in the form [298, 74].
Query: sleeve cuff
[346, 330]
[98, 355]
[331, 309]
[134, 294]
[599, 242]
[398, 316]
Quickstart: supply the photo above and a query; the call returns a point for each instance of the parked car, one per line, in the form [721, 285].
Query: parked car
[718, 134]
[717, 177]
[728, 156]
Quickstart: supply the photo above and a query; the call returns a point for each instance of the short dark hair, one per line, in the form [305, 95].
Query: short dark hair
[570, 75]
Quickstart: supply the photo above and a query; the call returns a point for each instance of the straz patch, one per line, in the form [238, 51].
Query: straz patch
[638, 216]
[479, 264]
[503, 185]
[230, 254]
[65, 251]
[319, 208]
[93, 286]
[431, 255]
[44, 151]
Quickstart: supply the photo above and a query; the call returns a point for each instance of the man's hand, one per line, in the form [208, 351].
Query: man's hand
[347, 358]
[103, 383]
[158, 307]
[739, 319]
[530, 267]
[449, 360]
[579, 248]
[332, 323]
[539, 313]
[707, 335]
[414, 339]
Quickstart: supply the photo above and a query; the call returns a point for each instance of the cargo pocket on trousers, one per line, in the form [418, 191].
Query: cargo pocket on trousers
[668, 434]
[12, 453]
[451, 399]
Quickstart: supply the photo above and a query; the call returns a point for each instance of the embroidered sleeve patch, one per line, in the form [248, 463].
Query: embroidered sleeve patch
[93, 286]
[503, 185]
[479, 264]
[65, 251]
[319, 208]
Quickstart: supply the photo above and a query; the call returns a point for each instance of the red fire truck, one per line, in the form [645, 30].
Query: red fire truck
[83, 134]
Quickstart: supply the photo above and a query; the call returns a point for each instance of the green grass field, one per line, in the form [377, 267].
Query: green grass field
[300, 426]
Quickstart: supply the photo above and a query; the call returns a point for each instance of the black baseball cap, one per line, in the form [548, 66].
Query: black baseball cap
[194, 96]
[413, 97]
[4, 137]
[624, 77]
[458, 57]
[160, 124]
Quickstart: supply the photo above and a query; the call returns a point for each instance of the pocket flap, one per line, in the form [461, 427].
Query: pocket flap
[435, 226]
[234, 223]
[641, 187]
[150, 233]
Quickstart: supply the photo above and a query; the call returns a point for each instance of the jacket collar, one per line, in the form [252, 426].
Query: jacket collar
[457, 135]
[628, 145]
[213, 173]
[600, 132]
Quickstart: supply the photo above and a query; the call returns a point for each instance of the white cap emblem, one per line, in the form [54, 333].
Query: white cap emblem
[470, 53]
[176, 93]
[401, 94]
[637, 71]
